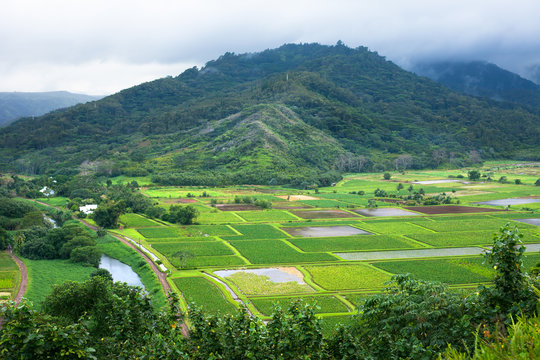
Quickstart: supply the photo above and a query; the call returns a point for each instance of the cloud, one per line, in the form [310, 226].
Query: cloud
[164, 34]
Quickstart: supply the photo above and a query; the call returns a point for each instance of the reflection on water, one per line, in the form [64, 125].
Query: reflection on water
[120, 271]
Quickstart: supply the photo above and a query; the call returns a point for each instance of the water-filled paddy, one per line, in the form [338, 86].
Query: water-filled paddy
[276, 275]
[324, 231]
[530, 221]
[509, 201]
[385, 212]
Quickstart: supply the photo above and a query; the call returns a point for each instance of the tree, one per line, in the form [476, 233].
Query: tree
[511, 294]
[106, 216]
[387, 176]
[474, 175]
[181, 214]
[399, 187]
[412, 319]
[537, 183]
[86, 255]
[403, 162]
[77, 241]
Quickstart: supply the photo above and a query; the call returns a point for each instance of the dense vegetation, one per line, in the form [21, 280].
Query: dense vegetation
[299, 114]
[412, 319]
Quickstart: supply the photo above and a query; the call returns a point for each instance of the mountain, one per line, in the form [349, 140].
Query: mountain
[293, 114]
[14, 105]
[483, 79]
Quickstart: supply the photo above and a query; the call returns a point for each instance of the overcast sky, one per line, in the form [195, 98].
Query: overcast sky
[103, 46]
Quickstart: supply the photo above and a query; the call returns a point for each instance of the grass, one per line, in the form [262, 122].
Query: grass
[182, 239]
[117, 250]
[353, 243]
[254, 284]
[6, 262]
[329, 323]
[254, 232]
[58, 201]
[275, 252]
[267, 215]
[450, 271]
[205, 294]
[137, 221]
[346, 277]
[43, 274]
[8, 280]
[160, 232]
[323, 304]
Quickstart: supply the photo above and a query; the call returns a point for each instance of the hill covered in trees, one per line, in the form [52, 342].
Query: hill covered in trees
[14, 105]
[288, 115]
[479, 78]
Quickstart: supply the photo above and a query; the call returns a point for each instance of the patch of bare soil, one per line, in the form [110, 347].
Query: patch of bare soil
[237, 207]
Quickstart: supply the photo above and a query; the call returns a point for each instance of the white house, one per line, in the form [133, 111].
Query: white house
[88, 209]
[46, 191]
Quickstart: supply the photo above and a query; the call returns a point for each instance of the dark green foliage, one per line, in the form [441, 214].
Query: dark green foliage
[474, 175]
[387, 176]
[338, 108]
[28, 334]
[106, 216]
[103, 273]
[86, 255]
[412, 319]
[511, 293]
[77, 241]
[184, 215]
[537, 183]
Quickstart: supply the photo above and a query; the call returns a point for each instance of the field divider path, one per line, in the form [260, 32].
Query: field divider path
[235, 250]
[233, 294]
[410, 239]
[24, 277]
[347, 303]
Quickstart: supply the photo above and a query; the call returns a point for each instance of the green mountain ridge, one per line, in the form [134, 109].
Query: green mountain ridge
[14, 105]
[287, 114]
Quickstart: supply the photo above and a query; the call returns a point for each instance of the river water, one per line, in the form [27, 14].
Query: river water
[120, 271]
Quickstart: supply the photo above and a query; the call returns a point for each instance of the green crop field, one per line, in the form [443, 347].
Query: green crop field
[218, 218]
[276, 251]
[346, 277]
[137, 221]
[203, 230]
[450, 271]
[195, 248]
[161, 232]
[243, 240]
[325, 304]
[389, 227]
[353, 243]
[267, 215]
[205, 294]
[254, 232]
[254, 284]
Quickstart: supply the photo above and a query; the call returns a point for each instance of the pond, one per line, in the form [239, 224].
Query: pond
[120, 271]
[509, 201]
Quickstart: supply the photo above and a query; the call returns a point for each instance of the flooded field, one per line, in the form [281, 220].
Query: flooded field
[509, 201]
[385, 212]
[324, 231]
[323, 214]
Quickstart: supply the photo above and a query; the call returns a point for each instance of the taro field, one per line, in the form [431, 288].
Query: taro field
[10, 277]
[327, 247]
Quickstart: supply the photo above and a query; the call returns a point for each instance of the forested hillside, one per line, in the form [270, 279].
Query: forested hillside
[296, 113]
[14, 105]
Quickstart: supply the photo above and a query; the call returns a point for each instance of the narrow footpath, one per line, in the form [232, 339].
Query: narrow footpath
[24, 277]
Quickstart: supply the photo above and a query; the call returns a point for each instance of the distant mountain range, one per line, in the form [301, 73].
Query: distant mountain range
[479, 78]
[298, 113]
[14, 105]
